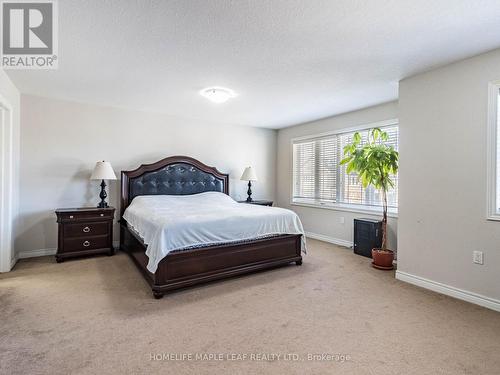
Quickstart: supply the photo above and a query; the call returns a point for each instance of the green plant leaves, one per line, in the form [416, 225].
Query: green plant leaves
[356, 139]
[374, 161]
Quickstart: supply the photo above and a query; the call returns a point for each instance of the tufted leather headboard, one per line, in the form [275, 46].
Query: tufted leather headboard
[176, 175]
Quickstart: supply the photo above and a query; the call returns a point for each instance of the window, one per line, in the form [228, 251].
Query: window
[315, 169]
[497, 156]
[494, 152]
[319, 179]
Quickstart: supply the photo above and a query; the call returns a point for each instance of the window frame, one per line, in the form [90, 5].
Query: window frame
[493, 212]
[357, 208]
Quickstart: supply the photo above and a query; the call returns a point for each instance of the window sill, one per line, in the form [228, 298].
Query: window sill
[494, 217]
[375, 211]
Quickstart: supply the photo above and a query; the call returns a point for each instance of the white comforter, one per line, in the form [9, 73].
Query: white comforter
[174, 222]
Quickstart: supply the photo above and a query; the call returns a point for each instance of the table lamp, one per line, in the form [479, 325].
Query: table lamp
[249, 175]
[103, 171]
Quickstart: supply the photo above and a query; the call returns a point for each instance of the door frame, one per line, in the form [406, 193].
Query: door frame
[7, 259]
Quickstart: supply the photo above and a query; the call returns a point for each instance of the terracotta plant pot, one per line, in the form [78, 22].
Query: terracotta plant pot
[382, 259]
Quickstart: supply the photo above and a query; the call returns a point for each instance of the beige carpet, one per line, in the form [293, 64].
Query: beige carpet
[97, 316]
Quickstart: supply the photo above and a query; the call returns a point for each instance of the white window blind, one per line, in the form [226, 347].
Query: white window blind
[319, 179]
[304, 157]
[327, 169]
[315, 169]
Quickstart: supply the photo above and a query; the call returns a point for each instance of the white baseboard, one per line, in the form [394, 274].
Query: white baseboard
[35, 253]
[46, 252]
[448, 290]
[333, 240]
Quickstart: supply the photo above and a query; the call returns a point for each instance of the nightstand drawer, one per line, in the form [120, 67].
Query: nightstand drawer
[86, 243]
[80, 216]
[86, 229]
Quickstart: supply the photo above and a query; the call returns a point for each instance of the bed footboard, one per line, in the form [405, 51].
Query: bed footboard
[186, 268]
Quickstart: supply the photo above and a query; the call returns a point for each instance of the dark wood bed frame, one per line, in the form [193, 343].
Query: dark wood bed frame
[191, 267]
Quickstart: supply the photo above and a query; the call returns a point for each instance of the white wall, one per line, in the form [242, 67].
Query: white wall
[326, 222]
[442, 202]
[61, 141]
[10, 95]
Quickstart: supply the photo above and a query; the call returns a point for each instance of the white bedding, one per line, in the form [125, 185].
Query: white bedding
[174, 222]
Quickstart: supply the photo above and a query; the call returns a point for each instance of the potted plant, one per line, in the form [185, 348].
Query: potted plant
[375, 162]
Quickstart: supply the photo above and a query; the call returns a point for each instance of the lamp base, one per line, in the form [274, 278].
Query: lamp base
[249, 192]
[103, 195]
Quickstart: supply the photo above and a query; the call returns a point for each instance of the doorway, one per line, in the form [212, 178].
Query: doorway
[6, 186]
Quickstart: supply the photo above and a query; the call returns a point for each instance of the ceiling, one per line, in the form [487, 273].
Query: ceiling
[290, 61]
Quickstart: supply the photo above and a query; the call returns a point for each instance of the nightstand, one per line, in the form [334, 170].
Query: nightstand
[260, 203]
[84, 231]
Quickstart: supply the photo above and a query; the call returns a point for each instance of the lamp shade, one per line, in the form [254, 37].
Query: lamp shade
[249, 174]
[103, 171]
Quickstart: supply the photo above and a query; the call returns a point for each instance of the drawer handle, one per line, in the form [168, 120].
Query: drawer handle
[86, 229]
[86, 244]
[71, 216]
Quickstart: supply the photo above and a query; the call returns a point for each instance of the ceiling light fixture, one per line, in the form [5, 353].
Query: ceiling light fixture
[218, 94]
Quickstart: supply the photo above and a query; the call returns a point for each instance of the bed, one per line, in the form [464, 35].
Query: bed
[194, 259]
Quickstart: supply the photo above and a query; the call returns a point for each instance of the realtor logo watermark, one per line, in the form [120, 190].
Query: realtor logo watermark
[29, 34]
